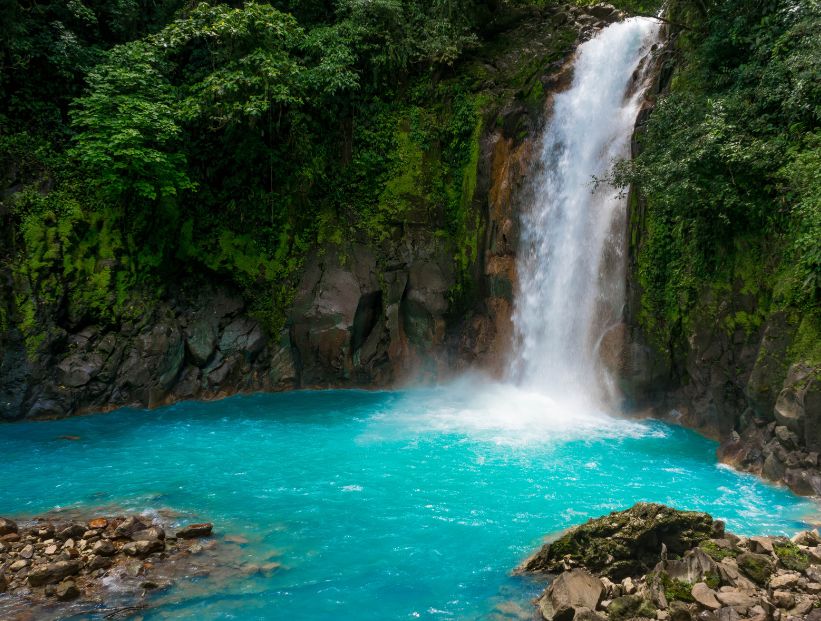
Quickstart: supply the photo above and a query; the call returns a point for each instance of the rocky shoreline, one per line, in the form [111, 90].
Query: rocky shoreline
[50, 567]
[655, 562]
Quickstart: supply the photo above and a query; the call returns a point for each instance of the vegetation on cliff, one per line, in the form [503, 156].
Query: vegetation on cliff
[147, 142]
[729, 166]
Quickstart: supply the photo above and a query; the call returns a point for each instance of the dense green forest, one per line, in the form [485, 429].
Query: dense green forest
[143, 141]
[730, 167]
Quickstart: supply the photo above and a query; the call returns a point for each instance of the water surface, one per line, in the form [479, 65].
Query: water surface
[379, 505]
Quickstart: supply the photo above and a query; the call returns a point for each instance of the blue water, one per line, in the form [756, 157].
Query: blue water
[379, 505]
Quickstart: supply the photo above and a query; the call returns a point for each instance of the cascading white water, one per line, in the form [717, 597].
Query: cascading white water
[571, 260]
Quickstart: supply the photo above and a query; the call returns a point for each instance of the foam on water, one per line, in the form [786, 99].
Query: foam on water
[485, 410]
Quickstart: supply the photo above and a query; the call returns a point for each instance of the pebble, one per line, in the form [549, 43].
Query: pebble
[18, 565]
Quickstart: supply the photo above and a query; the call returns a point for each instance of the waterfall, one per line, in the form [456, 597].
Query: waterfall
[571, 257]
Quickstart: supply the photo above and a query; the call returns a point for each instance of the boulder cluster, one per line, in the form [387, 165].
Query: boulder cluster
[63, 561]
[654, 562]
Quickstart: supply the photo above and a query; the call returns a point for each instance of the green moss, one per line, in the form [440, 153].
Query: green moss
[712, 579]
[676, 590]
[791, 556]
[716, 552]
[629, 607]
[757, 566]
[806, 345]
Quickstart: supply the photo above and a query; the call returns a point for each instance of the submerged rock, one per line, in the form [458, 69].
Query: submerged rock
[74, 561]
[194, 531]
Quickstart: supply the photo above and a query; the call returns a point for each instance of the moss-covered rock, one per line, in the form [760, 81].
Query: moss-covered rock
[624, 543]
[629, 607]
[758, 567]
[791, 555]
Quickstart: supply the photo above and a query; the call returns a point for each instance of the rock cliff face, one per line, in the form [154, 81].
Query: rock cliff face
[363, 314]
[751, 385]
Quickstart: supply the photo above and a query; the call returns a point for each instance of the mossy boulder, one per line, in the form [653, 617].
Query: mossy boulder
[791, 555]
[757, 567]
[630, 607]
[624, 543]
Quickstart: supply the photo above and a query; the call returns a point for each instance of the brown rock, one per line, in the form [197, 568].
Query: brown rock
[784, 581]
[572, 590]
[143, 548]
[72, 531]
[129, 526]
[67, 591]
[154, 533]
[97, 523]
[705, 596]
[3, 583]
[192, 531]
[735, 599]
[104, 548]
[7, 526]
[53, 572]
[783, 599]
[99, 562]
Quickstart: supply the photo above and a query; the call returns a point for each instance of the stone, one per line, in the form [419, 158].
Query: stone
[99, 562]
[630, 607]
[143, 548]
[201, 341]
[758, 567]
[727, 614]
[129, 526]
[18, 565]
[97, 524]
[624, 543]
[761, 545]
[628, 586]
[67, 591]
[51, 550]
[802, 607]
[104, 548]
[787, 438]
[193, 531]
[694, 567]
[238, 539]
[154, 533]
[7, 526]
[27, 551]
[10, 538]
[577, 589]
[735, 598]
[729, 574]
[4, 584]
[806, 538]
[679, 611]
[705, 596]
[53, 572]
[783, 599]
[585, 614]
[784, 581]
[73, 531]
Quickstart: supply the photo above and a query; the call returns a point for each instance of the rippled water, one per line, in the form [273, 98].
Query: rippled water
[379, 505]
